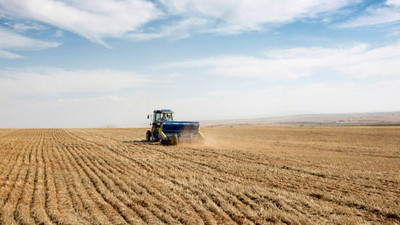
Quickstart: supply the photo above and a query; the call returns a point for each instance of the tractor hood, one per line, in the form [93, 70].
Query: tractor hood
[180, 126]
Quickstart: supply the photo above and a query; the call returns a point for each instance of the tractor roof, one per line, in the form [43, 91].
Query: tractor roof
[163, 111]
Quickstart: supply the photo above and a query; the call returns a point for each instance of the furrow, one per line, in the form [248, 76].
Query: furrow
[22, 214]
[16, 190]
[68, 202]
[100, 194]
[147, 189]
[111, 194]
[204, 214]
[124, 185]
[13, 181]
[91, 203]
[54, 195]
[39, 197]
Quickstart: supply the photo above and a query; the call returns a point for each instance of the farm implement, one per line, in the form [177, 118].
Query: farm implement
[170, 132]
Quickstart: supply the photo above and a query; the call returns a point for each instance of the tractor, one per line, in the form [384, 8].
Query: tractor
[170, 132]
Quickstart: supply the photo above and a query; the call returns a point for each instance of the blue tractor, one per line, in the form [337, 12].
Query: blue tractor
[170, 132]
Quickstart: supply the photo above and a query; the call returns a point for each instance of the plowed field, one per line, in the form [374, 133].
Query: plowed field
[240, 175]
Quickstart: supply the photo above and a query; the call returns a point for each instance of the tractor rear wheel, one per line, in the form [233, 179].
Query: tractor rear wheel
[174, 140]
[148, 135]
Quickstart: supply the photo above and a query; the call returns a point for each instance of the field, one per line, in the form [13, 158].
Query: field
[240, 175]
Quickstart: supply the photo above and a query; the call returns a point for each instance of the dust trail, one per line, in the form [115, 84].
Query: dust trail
[215, 138]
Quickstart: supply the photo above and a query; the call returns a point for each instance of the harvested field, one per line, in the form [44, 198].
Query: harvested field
[240, 175]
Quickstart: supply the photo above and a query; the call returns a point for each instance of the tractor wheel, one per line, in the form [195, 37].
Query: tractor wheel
[148, 135]
[155, 136]
[174, 140]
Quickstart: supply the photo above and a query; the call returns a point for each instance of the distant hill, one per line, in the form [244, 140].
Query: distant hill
[375, 118]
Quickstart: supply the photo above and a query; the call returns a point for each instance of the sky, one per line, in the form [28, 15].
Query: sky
[81, 63]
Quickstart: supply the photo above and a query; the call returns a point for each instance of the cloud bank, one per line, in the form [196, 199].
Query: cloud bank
[237, 15]
[97, 20]
[357, 61]
[54, 97]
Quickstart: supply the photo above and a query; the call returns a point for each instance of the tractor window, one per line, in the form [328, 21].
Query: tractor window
[157, 116]
[169, 117]
[163, 117]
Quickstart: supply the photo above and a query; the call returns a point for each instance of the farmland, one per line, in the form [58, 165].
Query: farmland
[240, 175]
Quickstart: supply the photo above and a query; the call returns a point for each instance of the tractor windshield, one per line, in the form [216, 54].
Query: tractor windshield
[163, 117]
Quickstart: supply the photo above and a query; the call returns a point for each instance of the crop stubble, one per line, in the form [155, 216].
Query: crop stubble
[240, 175]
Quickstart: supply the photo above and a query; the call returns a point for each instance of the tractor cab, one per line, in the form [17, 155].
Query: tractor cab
[163, 115]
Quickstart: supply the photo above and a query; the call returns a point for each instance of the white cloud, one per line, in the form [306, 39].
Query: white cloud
[93, 20]
[53, 82]
[388, 12]
[179, 30]
[97, 20]
[238, 15]
[358, 61]
[25, 26]
[13, 41]
[9, 55]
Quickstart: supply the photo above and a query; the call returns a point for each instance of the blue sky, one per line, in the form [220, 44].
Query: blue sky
[80, 63]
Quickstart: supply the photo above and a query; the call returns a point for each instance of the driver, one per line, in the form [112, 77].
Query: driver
[164, 117]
